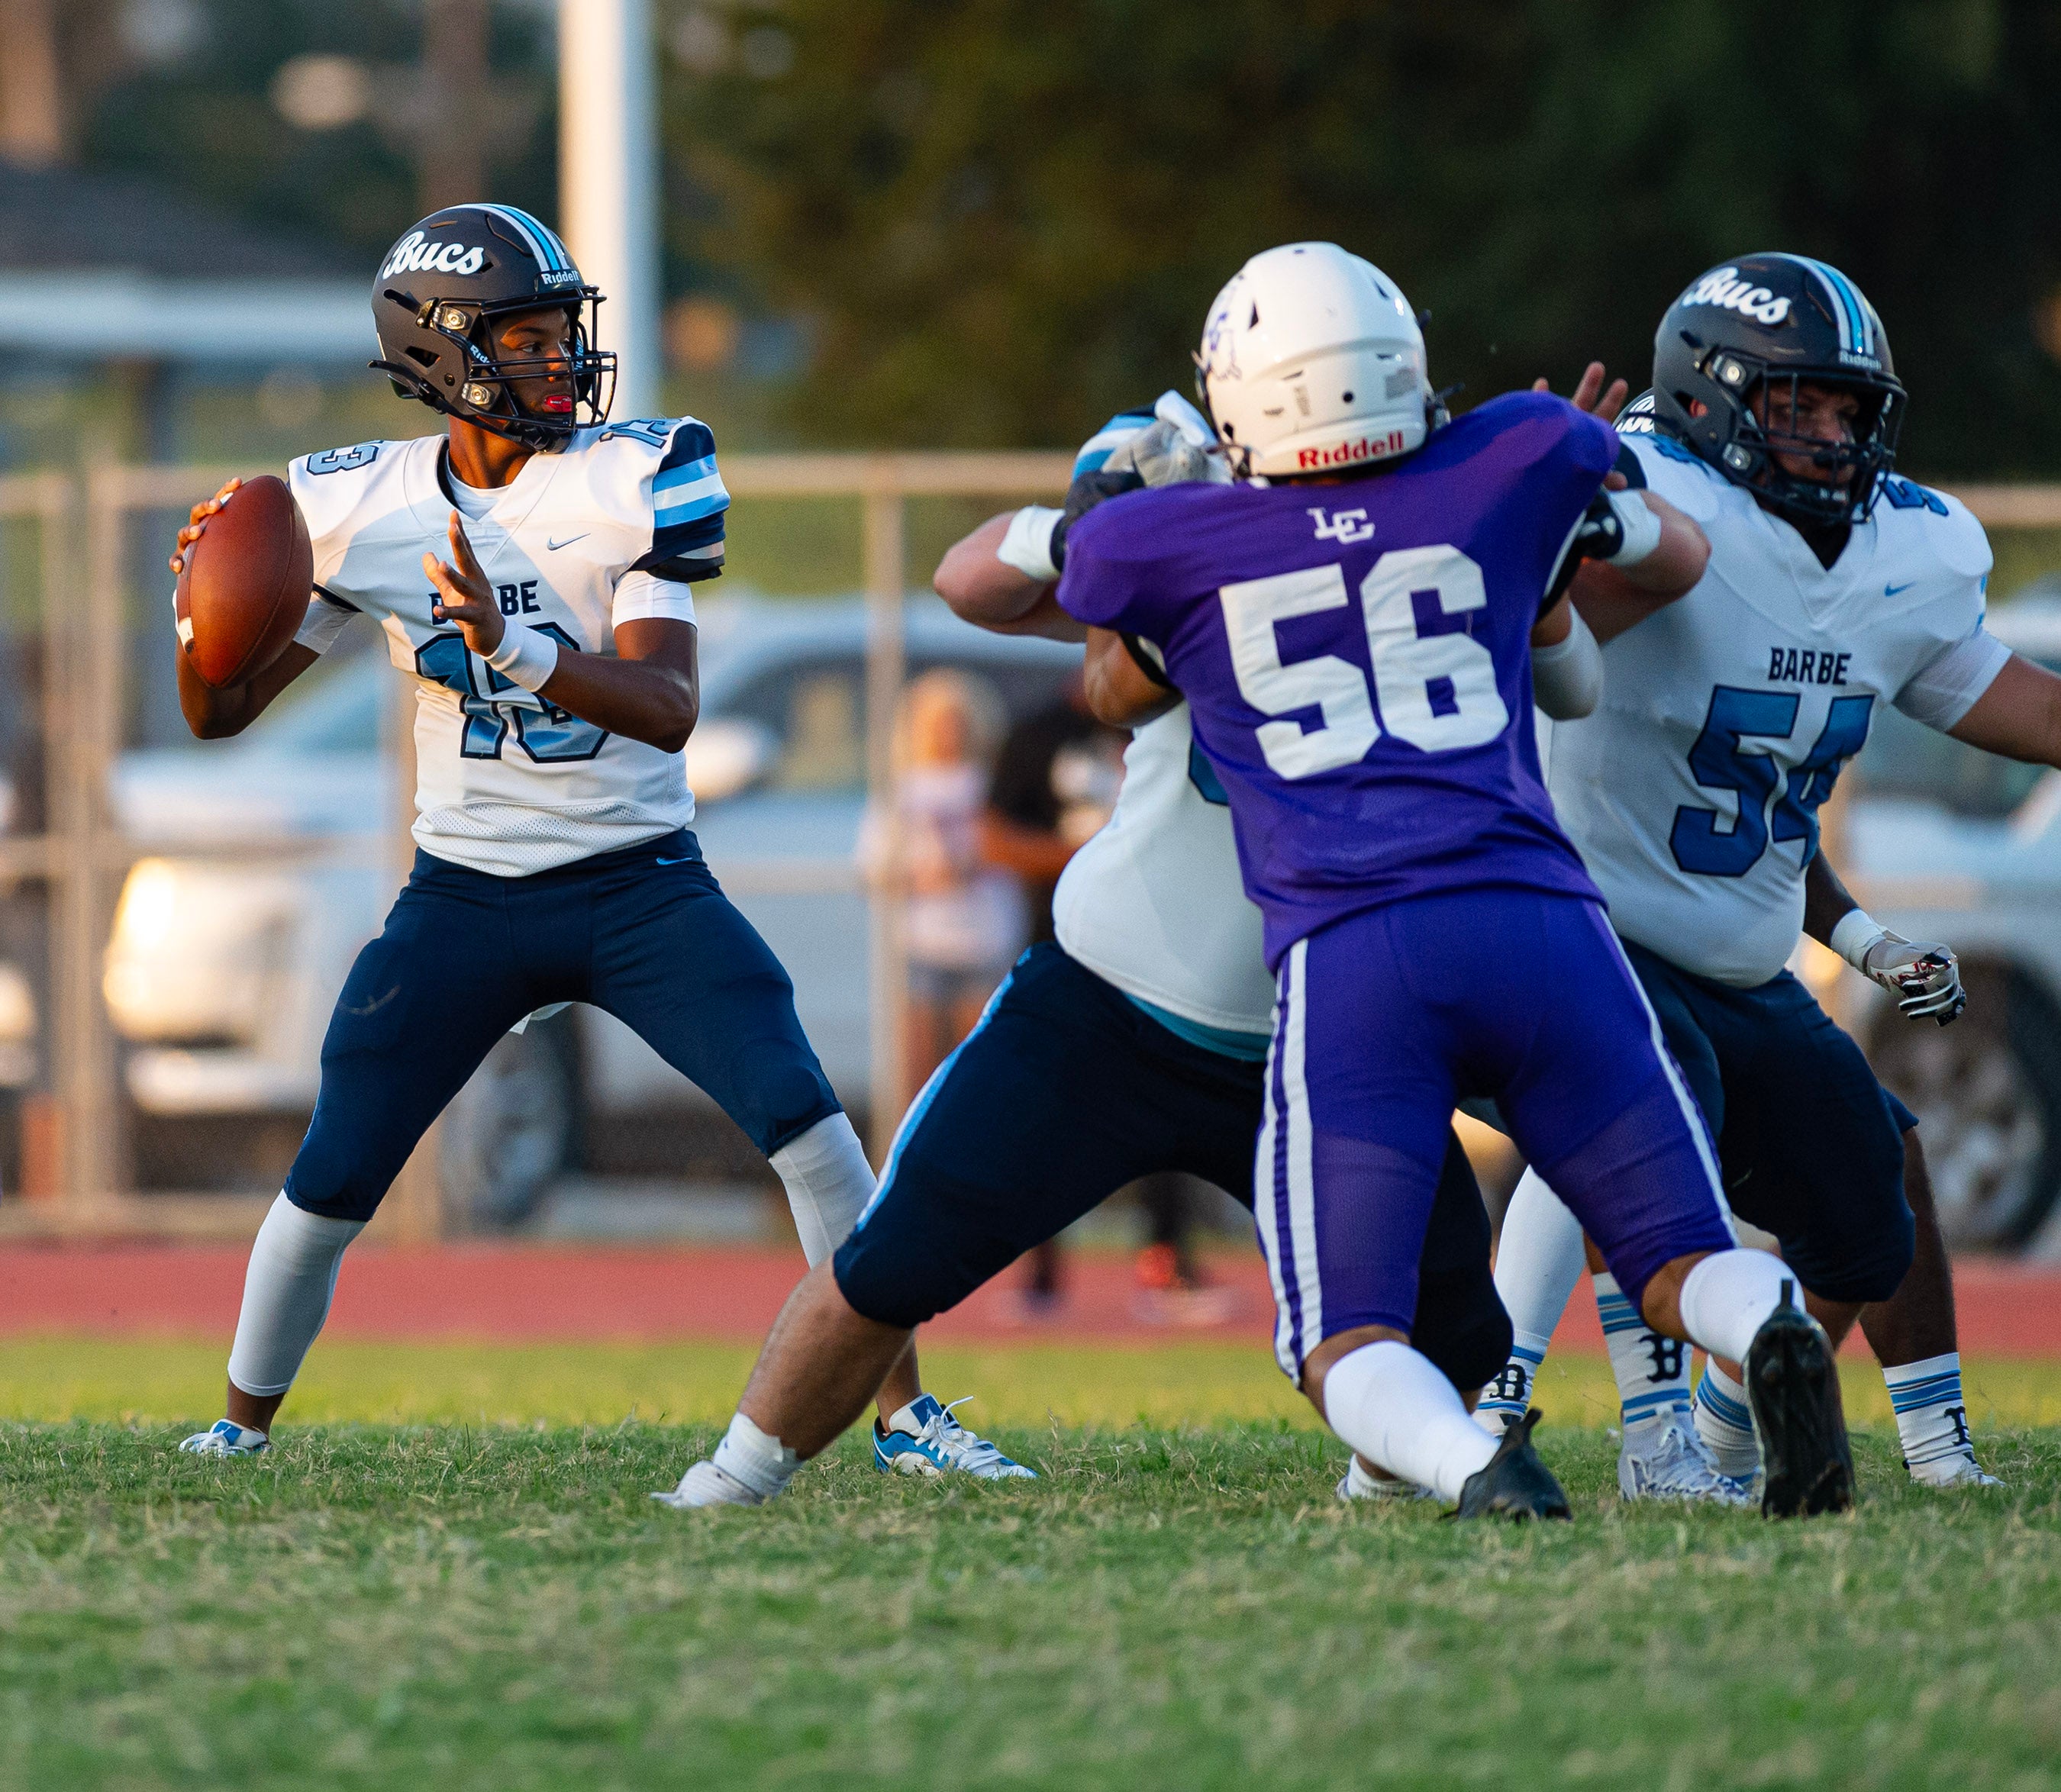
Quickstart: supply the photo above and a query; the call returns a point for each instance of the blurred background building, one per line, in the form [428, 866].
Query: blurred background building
[900, 225]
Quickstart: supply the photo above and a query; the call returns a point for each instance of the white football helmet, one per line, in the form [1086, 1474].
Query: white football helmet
[1312, 361]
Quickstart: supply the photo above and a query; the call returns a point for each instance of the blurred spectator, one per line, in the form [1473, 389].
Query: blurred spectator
[964, 920]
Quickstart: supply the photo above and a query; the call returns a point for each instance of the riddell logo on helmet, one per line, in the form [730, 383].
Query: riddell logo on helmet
[1366, 448]
[413, 254]
[1723, 288]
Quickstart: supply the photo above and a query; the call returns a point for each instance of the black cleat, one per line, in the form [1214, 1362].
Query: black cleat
[1792, 1384]
[1514, 1483]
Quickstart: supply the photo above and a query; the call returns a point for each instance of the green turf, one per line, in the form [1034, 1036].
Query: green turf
[450, 1607]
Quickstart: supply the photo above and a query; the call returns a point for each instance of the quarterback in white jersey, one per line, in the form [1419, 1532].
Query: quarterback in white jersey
[1834, 586]
[532, 571]
[1136, 1043]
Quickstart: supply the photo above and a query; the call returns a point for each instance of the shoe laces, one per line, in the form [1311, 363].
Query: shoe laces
[966, 1449]
[1679, 1462]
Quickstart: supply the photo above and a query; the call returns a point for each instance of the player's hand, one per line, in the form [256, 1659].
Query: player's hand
[1086, 492]
[1924, 976]
[1590, 395]
[465, 597]
[197, 523]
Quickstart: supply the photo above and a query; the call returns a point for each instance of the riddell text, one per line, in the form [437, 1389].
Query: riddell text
[1367, 448]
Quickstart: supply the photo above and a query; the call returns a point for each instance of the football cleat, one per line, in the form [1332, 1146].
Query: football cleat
[1357, 1484]
[1792, 1383]
[924, 1438]
[1959, 1470]
[227, 1437]
[1668, 1460]
[706, 1485]
[1514, 1483]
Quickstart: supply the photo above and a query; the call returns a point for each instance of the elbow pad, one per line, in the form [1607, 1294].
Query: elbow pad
[1568, 678]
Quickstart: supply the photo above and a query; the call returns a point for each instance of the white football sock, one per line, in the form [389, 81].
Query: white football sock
[1539, 1259]
[1931, 1415]
[828, 1182]
[1652, 1371]
[1725, 1422]
[762, 1463]
[287, 1291]
[1727, 1296]
[1394, 1407]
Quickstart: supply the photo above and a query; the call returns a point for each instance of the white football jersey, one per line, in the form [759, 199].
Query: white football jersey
[1693, 790]
[1154, 903]
[612, 528]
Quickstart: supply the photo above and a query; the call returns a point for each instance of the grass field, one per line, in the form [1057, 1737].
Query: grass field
[1182, 1604]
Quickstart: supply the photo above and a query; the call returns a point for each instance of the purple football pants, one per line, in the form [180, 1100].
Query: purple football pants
[1384, 1019]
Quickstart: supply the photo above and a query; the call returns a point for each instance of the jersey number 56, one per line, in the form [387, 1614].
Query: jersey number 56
[1437, 689]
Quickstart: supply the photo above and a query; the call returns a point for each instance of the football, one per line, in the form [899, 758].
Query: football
[246, 585]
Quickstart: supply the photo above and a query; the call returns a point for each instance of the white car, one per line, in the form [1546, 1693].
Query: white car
[1942, 842]
[274, 861]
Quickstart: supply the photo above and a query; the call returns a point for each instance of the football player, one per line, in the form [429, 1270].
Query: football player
[532, 569]
[1833, 585]
[1134, 1043]
[1313, 367]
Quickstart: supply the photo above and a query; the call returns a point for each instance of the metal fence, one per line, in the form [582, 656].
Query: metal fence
[91, 591]
[90, 595]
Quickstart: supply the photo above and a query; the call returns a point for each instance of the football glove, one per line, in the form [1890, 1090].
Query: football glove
[1924, 976]
[1086, 491]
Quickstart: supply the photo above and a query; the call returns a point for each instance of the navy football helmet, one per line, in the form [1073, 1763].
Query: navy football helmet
[438, 292]
[1742, 329]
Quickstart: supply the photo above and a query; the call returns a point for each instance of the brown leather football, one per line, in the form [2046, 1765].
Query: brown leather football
[245, 589]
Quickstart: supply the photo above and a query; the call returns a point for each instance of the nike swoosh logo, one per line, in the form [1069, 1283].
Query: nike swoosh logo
[676, 862]
[568, 541]
[1891, 590]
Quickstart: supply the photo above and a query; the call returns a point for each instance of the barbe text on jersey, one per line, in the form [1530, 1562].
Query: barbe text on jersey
[1807, 665]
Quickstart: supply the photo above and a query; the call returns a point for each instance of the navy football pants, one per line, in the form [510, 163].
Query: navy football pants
[1810, 1143]
[1066, 1091]
[645, 932]
[1386, 1017]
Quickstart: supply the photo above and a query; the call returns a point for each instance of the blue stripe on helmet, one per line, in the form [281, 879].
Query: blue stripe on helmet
[542, 241]
[1856, 330]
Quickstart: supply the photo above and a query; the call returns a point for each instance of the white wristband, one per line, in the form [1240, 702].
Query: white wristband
[1641, 526]
[1568, 678]
[527, 656]
[1028, 545]
[1855, 934]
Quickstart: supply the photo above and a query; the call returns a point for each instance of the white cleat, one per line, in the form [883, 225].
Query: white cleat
[1356, 1484]
[1668, 1460]
[227, 1437]
[924, 1438]
[706, 1485]
[1959, 1470]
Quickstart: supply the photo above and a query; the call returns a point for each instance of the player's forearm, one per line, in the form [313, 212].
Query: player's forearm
[214, 715]
[1827, 900]
[1116, 687]
[643, 699]
[982, 589]
[1613, 598]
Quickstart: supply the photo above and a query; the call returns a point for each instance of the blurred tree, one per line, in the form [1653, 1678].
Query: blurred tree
[1002, 219]
[320, 117]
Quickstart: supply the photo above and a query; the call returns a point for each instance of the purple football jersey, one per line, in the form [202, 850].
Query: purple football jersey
[1357, 656]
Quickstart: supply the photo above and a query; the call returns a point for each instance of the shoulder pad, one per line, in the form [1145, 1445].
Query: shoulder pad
[1675, 473]
[330, 484]
[1946, 525]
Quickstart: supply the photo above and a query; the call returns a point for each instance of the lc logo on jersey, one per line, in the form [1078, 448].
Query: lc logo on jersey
[1723, 288]
[1342, 526]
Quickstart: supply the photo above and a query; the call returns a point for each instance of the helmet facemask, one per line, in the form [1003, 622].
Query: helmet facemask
[485, 396]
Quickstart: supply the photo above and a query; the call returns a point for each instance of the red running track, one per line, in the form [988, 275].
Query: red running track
[547, 1293]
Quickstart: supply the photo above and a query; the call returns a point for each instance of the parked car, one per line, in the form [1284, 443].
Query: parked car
[274, 861]
[1945, 842]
